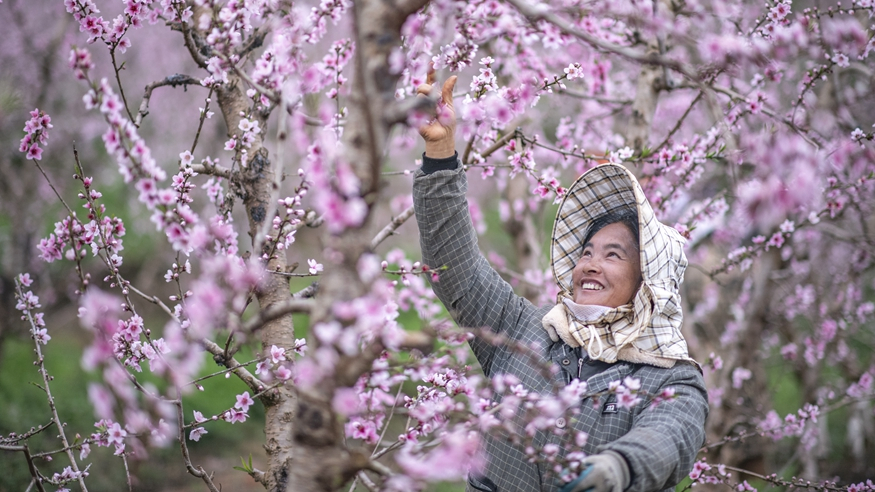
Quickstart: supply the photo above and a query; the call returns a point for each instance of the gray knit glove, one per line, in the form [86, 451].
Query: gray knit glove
[603, 472]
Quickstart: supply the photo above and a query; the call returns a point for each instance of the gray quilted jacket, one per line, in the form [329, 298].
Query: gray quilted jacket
[659, 443]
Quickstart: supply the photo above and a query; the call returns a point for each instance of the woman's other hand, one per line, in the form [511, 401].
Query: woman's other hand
[440, 132]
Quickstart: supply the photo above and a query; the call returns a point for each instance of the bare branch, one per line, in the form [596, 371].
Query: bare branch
[37, 479]
[213, 170]
[309, 120]
[26, 436]
[255, 41]
[276, 311]
[46, 378]
[231, 363]
[392, 227]
[535, 14]
[200, 124]
[118, 81]
[194, 47]
[195, 471]
[307, 292]
[171, 80]
[603, 100]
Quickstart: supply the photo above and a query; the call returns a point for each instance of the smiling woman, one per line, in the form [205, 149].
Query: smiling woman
[609, 270]
[617, 317]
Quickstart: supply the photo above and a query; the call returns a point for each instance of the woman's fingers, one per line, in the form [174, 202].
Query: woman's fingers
[430, 75]
[447, 90]
[424, 89]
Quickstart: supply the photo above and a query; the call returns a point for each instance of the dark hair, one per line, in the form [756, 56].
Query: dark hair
[628, 217]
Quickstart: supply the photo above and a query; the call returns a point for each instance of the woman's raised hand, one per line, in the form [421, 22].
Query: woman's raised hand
[439, 133]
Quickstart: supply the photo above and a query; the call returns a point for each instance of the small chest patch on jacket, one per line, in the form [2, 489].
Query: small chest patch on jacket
[610, 408]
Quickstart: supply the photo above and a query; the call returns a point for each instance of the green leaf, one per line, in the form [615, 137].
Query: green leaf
[247, 467]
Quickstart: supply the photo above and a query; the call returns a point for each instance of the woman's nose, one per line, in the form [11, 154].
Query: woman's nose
[592, 265]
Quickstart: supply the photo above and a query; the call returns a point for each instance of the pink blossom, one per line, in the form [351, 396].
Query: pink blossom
[233, 416]
[744, 486]
[574, 72]
[739, 376]
[283, 372]
[699, 467]
[199, 417]
[196, 433]
[41, 336]
[115, 434]
[315, 267]
[364, 430]
[777, 240]
[346, 401]
[627, 400]
[185, 158]
[277, 354]
[244, 401]
[24, 279]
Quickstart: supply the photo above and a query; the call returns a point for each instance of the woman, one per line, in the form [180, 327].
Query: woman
[619, 316]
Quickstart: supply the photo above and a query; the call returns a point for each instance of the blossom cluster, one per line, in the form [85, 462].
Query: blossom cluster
[285, 226]
[27, 302]
[329, 70]
[336, 188]
[101, 234]
[277, 365]
[37, 133]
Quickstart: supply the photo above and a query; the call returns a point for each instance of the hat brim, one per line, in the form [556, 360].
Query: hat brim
[596, 193]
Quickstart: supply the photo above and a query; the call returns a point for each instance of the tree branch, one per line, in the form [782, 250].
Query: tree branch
[171, 80]
[37, 479]
[276, 311]
[231, 363]
[391, 227]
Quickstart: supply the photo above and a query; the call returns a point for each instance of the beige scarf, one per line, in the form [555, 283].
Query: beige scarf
[612, 334]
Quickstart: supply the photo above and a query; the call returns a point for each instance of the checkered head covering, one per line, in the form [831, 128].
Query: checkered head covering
[649, 332]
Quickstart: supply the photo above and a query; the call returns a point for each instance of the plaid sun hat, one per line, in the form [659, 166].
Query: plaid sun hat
[653, 328]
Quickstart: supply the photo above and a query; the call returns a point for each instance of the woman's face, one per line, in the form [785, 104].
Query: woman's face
[609, 271]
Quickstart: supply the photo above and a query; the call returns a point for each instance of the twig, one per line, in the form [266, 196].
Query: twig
[468, 147]
[603, 100]
[171, 80]
[278, 310]
[680, 121]
[254, 383]
[127, 472]
[42, 370]
[192, 45]
[196, 471]
[366, 481]
[37, 479]
[154, 300]
[200, 124]
[309, 120]
[307, 292]
[219, 373]
[26, 436]
[212, 170]
[77, 445]
[52, 186]
[534, 15]
[118, 80]
[391, 227]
